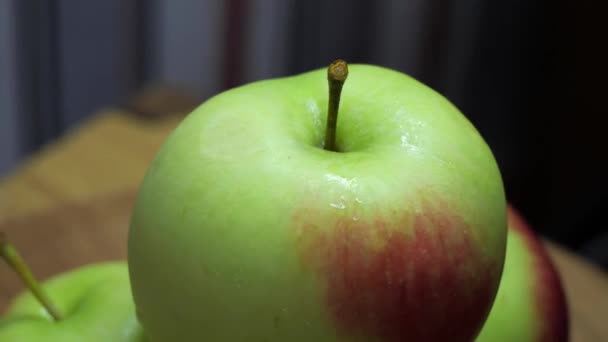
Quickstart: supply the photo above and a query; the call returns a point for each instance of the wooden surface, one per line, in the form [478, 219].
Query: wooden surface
[70, 204]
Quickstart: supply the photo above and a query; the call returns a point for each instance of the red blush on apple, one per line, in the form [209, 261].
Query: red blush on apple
[382, 278]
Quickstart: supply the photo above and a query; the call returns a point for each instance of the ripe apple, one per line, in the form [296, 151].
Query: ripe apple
[251, 225]
[530, 305]
[93, 303]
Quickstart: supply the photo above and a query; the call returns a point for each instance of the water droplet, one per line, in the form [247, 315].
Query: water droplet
[337, 205]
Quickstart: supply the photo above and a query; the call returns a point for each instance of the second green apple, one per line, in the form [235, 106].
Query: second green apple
[531, 304]
[95, 301]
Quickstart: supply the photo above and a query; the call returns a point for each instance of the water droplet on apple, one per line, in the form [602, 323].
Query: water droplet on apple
[313, 108]
[339, 205]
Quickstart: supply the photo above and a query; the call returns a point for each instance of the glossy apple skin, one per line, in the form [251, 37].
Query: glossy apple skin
[246, 230]
[530, 305]
[96, 303]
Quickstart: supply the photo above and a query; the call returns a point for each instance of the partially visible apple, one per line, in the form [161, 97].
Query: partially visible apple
[530, 305]
[91, 303]
[255, 222]
[96, 302]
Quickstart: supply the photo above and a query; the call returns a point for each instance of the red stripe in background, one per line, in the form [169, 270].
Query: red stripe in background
[234, 21]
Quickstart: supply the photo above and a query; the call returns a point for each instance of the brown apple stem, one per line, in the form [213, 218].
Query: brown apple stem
[336, 75]
[9, 253]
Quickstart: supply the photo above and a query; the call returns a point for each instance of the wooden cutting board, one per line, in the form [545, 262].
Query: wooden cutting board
[96, 230]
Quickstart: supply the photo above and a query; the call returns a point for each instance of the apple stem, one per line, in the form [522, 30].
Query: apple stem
[9, 253]
[336, 75]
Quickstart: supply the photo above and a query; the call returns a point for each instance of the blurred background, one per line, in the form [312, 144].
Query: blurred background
[529, 74]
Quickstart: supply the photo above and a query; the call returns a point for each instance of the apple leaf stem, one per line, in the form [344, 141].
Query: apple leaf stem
[9, 253]
[336, 75]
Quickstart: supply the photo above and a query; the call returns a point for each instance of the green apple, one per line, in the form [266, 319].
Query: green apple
[93, 303]
[247, 229]
[530, 305]
[97, 303]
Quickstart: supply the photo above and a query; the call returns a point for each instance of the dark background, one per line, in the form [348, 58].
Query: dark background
[531, 76]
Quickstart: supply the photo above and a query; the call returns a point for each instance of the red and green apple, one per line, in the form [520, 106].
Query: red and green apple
[264, 218]
[530, 305]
